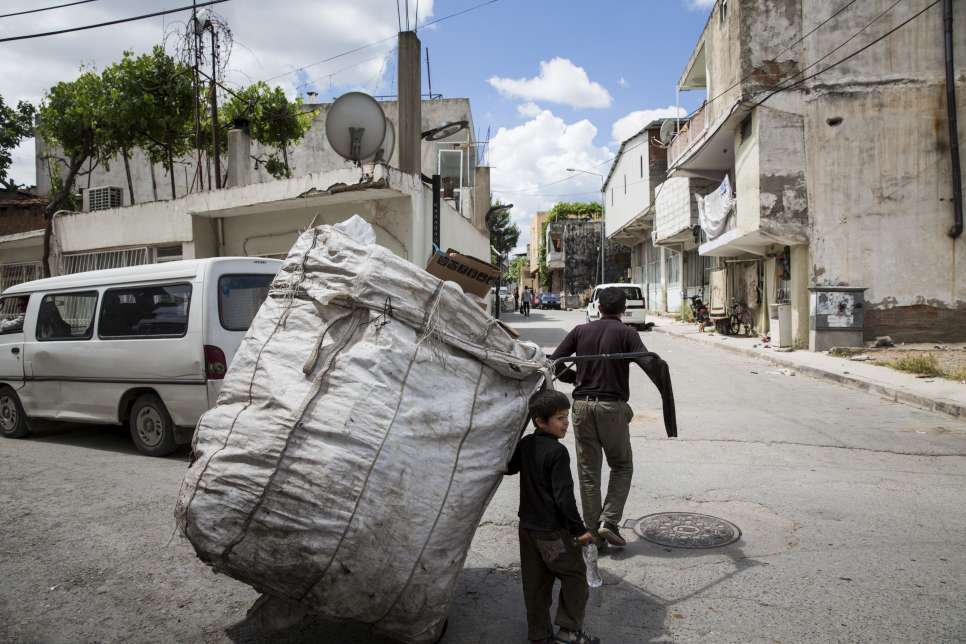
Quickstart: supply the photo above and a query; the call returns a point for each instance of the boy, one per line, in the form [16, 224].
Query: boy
[551, 530]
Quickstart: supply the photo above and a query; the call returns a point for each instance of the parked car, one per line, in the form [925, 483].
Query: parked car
[549, 301]
[146, 346]
[506, 299]
[636, 306]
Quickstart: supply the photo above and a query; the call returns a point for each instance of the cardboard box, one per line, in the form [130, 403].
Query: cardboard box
[473, 275]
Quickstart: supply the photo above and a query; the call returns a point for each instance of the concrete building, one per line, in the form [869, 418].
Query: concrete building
[840, 172]
[531, 277]
[573, 258]
[257, 215]
[630, 191]
[21, 236]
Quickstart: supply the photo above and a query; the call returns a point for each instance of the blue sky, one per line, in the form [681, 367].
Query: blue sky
[558, 83]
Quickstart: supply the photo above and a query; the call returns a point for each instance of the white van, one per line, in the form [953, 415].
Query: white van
[636, 305]
[146, 346]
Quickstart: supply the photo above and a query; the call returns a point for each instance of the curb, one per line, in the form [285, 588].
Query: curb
[893, 394]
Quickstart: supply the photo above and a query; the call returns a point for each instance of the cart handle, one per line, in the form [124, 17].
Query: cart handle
[601, 356]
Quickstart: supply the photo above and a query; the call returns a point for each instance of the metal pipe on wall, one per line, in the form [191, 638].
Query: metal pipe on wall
[957, 228]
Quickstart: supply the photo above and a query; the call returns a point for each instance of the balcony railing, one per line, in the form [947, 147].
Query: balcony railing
[690, 132]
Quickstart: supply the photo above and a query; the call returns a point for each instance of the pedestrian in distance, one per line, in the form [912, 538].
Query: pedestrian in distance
[551, 530]
[525, 303]
[601, 413]
[516, 300]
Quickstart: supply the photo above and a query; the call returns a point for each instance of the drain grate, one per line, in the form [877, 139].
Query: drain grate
[686, 530]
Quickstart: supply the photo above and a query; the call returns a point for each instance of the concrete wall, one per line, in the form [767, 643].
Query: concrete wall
[781, 196]
[676, 209]
[312, 154]
[629, 190]
[879, 180]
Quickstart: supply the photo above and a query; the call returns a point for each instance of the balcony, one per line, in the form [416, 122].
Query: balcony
[691, 132]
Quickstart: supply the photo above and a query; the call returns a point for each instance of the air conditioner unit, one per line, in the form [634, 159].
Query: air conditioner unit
[103, 198]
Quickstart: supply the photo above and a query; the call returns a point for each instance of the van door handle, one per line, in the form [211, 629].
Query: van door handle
[15, 350]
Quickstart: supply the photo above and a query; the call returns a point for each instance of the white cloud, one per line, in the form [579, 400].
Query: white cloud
[700, 5]
[623, 83]
[269, 39]
[528, 157]
[559, 81]
[629, 125]
[529, 109]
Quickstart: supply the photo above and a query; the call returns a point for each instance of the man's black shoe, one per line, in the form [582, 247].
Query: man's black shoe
[611, 533]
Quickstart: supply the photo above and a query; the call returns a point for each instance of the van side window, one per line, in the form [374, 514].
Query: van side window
[67, 316]
[12, 311]
[140, 311]
[239, 297]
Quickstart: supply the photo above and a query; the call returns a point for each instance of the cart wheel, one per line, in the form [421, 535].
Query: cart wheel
[442, 633]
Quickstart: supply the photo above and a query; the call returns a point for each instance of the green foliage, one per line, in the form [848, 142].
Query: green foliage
[920, 364]
[165, 95]
[273, 120]
[503, 234]
[72, 116]
[16, 124]
[515, 269]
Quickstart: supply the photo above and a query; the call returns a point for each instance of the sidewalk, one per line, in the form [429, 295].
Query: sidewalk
[934, 394]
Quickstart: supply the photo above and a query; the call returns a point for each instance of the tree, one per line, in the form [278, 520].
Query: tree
[16, 124]
[273, 121]
[503, 234]
[165, 95]
[515, 269]
[72, 117]
[125, 116]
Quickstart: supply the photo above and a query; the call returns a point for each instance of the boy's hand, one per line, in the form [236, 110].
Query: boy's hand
[585, 538]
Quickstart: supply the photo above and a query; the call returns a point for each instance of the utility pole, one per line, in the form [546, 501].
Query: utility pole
[196, 53]
[214, 107]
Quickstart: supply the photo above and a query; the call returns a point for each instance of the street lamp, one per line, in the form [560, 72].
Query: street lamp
[491, 221]
[602, 220]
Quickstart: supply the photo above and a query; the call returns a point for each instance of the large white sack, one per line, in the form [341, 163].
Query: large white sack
[362, 428]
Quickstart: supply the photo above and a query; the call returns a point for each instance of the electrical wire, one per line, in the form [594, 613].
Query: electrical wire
[111, 22]
[56, 6]
[376, 42]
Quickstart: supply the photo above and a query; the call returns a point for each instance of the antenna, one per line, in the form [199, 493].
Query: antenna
[355, 126]
[429, 75]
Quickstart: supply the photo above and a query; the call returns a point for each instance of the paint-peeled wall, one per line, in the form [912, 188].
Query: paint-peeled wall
[879, 175]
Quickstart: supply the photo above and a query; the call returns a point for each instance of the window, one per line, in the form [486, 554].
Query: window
[66, 316]
[164, 254]
[80, 262]
[12, 311]
[145, 311]
[239, 297]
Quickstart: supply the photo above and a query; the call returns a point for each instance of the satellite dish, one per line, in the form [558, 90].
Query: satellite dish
[384, 153]
[668, 130]
[444, 131]
[355, 126]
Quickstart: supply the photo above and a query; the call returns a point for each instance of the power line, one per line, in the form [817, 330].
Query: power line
[376, 42]
[853, 54]
[56, 6]
[112, 22]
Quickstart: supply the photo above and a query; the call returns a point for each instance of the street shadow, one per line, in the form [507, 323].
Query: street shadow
[108, 438]
[487, 607]
[544, 336]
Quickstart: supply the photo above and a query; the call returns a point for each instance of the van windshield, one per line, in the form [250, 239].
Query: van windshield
[239, 297]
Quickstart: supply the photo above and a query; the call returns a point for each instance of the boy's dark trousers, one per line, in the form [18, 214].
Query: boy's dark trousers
[544, 557]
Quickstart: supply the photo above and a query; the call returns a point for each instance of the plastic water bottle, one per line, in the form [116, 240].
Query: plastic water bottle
[590, 559]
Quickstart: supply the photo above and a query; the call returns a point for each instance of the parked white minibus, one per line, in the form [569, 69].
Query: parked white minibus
[146, 346]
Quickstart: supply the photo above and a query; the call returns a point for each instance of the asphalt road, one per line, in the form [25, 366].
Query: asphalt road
[850, 508]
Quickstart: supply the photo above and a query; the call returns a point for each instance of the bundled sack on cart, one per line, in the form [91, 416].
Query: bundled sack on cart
[362, 429]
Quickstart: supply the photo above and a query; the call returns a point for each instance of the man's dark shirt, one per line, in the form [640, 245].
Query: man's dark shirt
[609, 379]
[605, 378]
[546, 487]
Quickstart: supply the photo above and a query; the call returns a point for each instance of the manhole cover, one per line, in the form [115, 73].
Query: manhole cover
[687, 530]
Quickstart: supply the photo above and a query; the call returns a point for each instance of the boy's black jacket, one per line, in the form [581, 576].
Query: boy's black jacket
[546, 487]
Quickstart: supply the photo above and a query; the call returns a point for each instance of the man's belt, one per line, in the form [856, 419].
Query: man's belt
[603, 398]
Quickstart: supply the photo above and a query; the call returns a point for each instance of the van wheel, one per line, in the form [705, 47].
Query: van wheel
[13, 421]
[151, 426]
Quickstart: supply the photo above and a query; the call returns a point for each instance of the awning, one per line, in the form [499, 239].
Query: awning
[713, 155]
[735, 243]
[636, 230]
[680, 238]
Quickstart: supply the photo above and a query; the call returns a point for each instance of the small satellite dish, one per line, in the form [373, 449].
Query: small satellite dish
[384, 153]
[668, 130]
[355, 126]
[444, 131]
